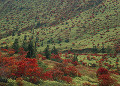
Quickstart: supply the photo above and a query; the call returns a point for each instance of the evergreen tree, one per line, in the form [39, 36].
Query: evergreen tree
[108, 49]
[103, 49]
[31, 51]
[37, 38]
[42, 44]
[15, 45]
[13, 33]
[66, 40]
[25, 45]
[95, 50]
[54, 50]
[25, 37]
[38, 25]
[75, 58]
[47, 52]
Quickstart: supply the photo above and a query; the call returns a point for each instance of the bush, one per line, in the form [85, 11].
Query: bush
[101, 71]
[67, 79]
[106, 80]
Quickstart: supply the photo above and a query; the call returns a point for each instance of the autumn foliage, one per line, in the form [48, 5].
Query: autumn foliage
[104, 77]
[20, 67]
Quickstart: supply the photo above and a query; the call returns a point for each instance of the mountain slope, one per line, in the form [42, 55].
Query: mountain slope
[90, 24]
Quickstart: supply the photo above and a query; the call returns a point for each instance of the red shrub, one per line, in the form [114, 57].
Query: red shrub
[106, 80]
[57, 74]
[67, 78]
[75, 63]
[47, 75]
[5, 50]
[11, 52]
[101, 71]
[71, 71]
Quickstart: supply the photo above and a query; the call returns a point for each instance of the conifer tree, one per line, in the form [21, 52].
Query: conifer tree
[31, 51]
[25, 37]
[15, 45]
[95, 50]
[103, 49]
[75, 58]
[42, 44]
[54, 50]
[25, 45]
[47, 52]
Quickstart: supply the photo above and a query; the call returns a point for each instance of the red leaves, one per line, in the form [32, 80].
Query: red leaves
[70, 70]
[47, 75]
[101, 71]
[106, 80]
[5, 50]
[104, 77]
[26, 67]
[56, 58]
[75, 63]
[57, 74]
[11, 52]
[67, 78]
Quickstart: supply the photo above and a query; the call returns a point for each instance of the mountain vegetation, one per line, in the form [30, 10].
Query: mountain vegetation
[59, 42]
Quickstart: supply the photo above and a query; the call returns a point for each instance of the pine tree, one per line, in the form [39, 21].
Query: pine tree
[25, 37]
[15, 45]
[75, 58]
[31, 51]
[47, 52]
[103, 49]
[54, 50]
[108, 49]
[42, 44]
[25, 45]
[95, 50]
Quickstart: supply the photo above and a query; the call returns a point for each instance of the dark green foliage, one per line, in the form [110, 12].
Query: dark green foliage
[31, 50]
[38, 25]
[25, 45]
[50, 41]
[108, 50]
[95, 50]
[47, 52]
[42, 44]
[37, 38]
[66, 40]
[75, 58]
[32, 37]
[54, 50]
[25, 37]
[103, 49]
[3, 79]
[59, 40]
[13, 33]
[18, 33]
[15, 45]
